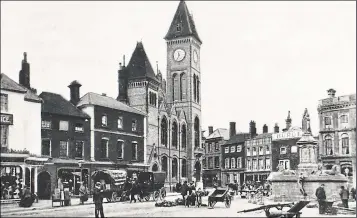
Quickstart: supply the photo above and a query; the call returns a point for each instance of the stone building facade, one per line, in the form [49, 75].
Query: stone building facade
[173, 106]
[337, 133]
[212, 157]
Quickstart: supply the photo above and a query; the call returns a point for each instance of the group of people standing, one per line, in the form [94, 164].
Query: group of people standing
[344, 195]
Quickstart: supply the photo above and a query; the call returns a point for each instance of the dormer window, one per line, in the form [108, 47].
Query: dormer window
[178, 27]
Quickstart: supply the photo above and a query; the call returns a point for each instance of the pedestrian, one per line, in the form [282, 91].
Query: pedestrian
[26, 198]
[98, 200]
[321, 198]
[344, 196]
[184, 189]
[83, 193]
[353, 193]
[133, 192]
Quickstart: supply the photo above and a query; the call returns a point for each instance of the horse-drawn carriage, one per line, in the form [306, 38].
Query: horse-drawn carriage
[113, 182]
[152, 185]
[220, 195]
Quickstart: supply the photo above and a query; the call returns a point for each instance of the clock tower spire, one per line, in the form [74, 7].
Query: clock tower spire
[183, 93]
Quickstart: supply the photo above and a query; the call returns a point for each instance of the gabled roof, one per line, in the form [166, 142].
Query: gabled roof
[183, 17]
[99, 100]
[56, 104]
[10, 85]
[240, 137]
[218, 133]
[139, 65]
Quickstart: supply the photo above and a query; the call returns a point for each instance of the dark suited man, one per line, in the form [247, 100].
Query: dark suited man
[98, 199]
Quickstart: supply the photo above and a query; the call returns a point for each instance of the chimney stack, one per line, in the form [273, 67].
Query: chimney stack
[252, 129]
[331, 93]
[232, 129]
[24, 75]
[276, 128]
[74, 92]
[210, 130]
[265, 128]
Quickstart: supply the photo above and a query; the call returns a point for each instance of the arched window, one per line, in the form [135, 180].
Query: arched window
[197, 132]
[194, 88]
[164, 131]
[164, 164]
[328, 145]
[183, 136]
[184, 168]
[198, 90]
[174, 134]
[155, 168]
[345, 144]
[183, 86]
[174, 167]
[176, 92]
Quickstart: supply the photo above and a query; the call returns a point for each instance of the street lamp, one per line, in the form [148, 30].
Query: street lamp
[80, 164]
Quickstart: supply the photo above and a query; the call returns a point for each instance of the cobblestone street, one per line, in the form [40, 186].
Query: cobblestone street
[148, 209]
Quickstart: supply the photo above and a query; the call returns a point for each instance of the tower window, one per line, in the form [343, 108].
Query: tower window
[178, 27]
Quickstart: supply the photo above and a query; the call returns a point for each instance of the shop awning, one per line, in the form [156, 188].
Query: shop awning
[39, 159]
[119, 176]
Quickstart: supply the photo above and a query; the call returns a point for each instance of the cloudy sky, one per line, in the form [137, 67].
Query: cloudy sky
[258, 59]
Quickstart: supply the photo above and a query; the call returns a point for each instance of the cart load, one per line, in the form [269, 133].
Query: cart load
[112, 183]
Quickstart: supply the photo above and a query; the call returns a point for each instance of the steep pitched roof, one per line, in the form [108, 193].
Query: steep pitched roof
[10, 85]
[220, 132]
[95, 99]
[240, 137]
[188, 27]
[139, 65]
[56, 104]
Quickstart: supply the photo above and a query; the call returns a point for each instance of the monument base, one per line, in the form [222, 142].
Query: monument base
[199, 185]
[307, 168]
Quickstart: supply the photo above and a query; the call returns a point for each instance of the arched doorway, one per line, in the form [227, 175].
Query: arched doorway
[198, 171]
[155, 168]
[44, 185]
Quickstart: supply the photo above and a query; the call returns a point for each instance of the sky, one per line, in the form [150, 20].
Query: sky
[259, 60]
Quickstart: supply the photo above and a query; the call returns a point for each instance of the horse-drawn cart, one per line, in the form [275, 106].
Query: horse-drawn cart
[152, 185]
[112, 182]
[219, 195]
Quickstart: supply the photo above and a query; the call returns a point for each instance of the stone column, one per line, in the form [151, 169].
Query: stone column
[35, 180]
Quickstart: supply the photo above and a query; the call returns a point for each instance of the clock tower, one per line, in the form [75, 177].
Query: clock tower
[184, 82]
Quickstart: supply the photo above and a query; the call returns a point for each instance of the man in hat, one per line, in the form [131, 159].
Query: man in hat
[321, 198]
[98, 200]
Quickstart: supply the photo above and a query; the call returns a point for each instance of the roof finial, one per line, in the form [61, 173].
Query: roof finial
[25, 57]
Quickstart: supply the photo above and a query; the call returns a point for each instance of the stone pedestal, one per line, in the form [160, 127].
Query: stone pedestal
[308, 158]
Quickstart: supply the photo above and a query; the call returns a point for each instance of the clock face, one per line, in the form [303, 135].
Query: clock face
[179, 54]
[195, 56]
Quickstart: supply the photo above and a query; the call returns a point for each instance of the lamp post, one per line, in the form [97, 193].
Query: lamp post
[80, 164]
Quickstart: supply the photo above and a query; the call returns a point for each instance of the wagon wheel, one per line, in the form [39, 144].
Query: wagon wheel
[114, 196]
[228, 202]
[212, 204]
[156, 195]
[163, 192]
[147, 197]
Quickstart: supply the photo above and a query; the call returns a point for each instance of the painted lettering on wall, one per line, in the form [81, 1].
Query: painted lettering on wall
[287, 135]
[6, 119]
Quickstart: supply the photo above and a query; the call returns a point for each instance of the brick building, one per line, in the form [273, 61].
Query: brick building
[337, 135]
[173, 108]
[212, 158]
[258, 155]
[65, 139]
[233, 157]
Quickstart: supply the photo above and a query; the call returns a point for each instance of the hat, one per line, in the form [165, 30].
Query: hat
[98, 184]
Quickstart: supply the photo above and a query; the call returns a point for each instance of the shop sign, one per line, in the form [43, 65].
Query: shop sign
[287, 135]
[6, 119]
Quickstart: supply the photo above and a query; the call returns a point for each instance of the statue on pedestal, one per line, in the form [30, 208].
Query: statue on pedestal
[306, 122]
